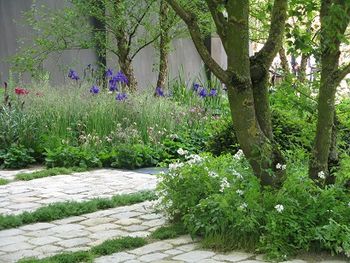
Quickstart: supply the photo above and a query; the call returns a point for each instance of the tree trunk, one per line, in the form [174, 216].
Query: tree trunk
[284, 60]
[164, 45]
[333, 158]
[302, 68]
[330, 53]
[124, 60]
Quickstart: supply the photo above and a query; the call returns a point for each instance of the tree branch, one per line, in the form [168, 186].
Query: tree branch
[342, 72]
[276, 32]
[219, 19]
[192, 25]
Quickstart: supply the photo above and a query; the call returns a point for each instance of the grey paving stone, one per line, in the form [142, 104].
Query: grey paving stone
[150, 216]
[154, 223]
[73, 234]
[66, 228]
[140, 234]
[69, 220]
[153, 257]
[115, 258]
[96, 221]
[129, 221]
[188, 247]
[151, 248]
[233, 257]
[108, 234]
[126, 215]
[181, 240]
[40, 241]
[135, 228]
[47, 249]
[103, 227]
[4, 241]
[75, 242]
[194, 256]
[19, 246]
[173, 252]
[37, 226]
[10, 232]
[14, 257]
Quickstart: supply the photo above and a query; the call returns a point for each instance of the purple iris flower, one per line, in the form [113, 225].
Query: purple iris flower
[72, 74]
[109, 73]
[121, 78]
[196, 87]
[121, 96]
[159, 92]
[203, 93]
[94, 90]
[213, 93]
[113, 85]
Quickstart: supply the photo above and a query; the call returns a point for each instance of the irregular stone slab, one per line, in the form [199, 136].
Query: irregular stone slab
[74, 242]
[194, 256]
[153, 257]
[154, 247]
[40, 241]
[233, 257]
[115, 258]
[38, 226]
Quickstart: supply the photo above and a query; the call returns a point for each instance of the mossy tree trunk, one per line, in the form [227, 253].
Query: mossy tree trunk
[245, 78]
[331, 74]
[284, 61]
[302, 68]
[164, 45]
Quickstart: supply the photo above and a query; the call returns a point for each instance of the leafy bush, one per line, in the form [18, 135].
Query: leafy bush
[69, 156]
[221, 200]
[17, 156]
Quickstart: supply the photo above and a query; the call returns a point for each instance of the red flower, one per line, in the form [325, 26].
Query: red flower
[21, 91]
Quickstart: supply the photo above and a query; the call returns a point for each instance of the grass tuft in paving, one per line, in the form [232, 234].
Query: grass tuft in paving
[3, 181]
[62, 210]
[167, 232]
[49, 172]
[106, 248]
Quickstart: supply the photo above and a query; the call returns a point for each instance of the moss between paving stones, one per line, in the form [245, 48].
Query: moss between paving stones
[111, 246]
[49, 172]
[62, 210]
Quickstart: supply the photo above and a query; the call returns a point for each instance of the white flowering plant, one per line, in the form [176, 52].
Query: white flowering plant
[220, 199]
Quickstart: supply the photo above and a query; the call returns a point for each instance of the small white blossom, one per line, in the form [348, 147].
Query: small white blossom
[240, 192]
[224, 184]
[243, 206]
[194, 158]
[284, 167]
[281, 166]
[213, 174]
[349, 204]
[174, 136]
[279, 208]
[174, 166]
[182, 151]
[321, 175]
[239, 154]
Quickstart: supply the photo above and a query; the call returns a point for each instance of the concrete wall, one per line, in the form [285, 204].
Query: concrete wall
[183, 58]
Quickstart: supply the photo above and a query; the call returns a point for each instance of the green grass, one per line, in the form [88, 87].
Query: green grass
[106, 248]
[112, 246]
[171, 231]
[66, 209]
[49, 172]
[3, 181]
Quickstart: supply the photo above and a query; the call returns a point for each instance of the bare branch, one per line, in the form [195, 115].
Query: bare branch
[276, 32]
[192, 25]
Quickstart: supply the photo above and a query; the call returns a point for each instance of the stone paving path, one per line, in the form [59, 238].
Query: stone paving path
[78, 233]
[184, 249]
[10, 174]
[21, 196]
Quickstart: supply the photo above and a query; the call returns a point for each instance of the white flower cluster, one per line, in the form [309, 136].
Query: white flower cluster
[321, 175]
[182, 151]
[240, 192]
[243, 206]
[239, 154]
[281, 166]
[174, 166]
[224, 184]
[279, 208]
[194, 158]
[213, 174]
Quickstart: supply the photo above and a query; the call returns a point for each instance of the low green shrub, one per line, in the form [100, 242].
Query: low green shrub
[17, 156]
[221, 200]
[48, 172]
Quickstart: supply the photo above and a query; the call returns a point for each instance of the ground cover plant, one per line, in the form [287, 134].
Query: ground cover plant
[219, 199]
[48, 172]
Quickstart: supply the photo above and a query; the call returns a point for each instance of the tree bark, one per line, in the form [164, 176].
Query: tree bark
[302, 68]
[284, 61]
[164, 45]
[330, 53]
